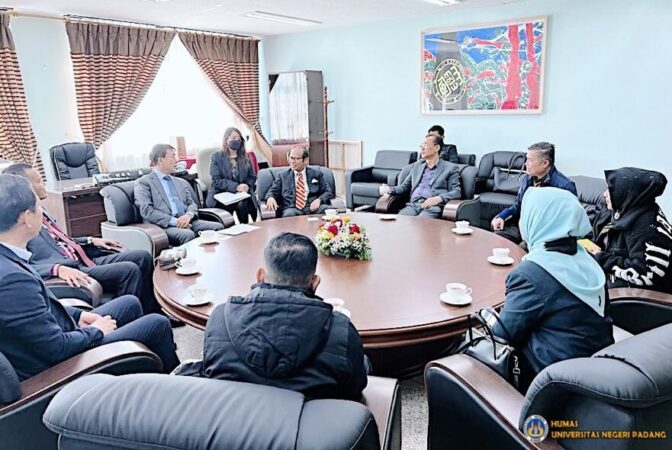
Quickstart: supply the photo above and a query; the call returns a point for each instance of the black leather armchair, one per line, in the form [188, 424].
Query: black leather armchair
[466, 158]
[590, 191]
[124, 222]
[164, 411]
[463, 209]
[361, 185]
[91, 293]
[23, 403]
[74, 160]
[639, 310]
[266, 177]
[624, 387]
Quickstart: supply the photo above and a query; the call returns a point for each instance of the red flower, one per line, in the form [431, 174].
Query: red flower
[333, 229]
[354, 228]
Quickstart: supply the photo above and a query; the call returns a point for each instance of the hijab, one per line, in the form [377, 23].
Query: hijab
[551, 220]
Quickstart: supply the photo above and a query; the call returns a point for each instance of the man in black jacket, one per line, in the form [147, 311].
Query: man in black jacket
[282, 334]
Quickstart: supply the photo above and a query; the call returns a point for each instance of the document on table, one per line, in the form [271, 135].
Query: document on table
[238, 229]
[227, 198]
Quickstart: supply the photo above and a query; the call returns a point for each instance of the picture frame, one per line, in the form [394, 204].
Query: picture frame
[472, 69]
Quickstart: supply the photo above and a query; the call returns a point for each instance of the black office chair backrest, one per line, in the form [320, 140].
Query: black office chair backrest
[466, 158]
[486, 168]
[390, 162]
[10, 387]
[74, 160]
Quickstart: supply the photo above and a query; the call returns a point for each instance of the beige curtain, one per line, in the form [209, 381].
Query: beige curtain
[17, 142]
[232, 64]
[114, 67]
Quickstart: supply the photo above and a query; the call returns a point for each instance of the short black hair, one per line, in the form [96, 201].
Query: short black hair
[305, 151]
[436, 140]
[290, 259]
[546, 151]
[16, 196]
[17, 169]
[158, 152]
[438, 128]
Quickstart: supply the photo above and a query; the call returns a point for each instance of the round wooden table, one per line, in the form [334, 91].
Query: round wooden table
[394, 298]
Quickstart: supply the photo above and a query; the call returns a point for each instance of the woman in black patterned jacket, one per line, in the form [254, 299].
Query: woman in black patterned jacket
[634, 234]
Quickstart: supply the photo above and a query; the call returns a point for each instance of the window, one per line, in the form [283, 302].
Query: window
[181, 102]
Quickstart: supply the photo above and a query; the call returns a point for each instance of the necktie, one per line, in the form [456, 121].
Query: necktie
[300, 191]
[176, 199]
[71, 249]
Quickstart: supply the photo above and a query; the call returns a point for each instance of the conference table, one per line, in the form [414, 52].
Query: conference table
[393, 298]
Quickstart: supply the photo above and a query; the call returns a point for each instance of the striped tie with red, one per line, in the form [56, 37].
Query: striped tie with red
[300, 191]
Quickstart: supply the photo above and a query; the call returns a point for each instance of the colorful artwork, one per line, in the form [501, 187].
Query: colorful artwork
[495, 68]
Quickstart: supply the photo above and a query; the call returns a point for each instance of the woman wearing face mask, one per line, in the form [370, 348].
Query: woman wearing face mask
[231, 171]
[556, 298]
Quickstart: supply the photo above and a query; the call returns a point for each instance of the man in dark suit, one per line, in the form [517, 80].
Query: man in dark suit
[166, 201]
[448, 152]
[77, 260]
[432, 182]
[36, 331]
[300, 189]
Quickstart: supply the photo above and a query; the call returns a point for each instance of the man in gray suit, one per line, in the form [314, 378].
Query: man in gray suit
[431, 183]
[166, 201]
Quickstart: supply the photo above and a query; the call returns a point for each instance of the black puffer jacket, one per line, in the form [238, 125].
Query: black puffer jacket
[636, 236]
[284, 337]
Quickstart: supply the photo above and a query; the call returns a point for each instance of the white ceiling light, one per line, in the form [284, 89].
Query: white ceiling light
[444, 2]
[280, 18]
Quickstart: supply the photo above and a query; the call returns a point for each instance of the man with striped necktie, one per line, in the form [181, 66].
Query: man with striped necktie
[300, 189]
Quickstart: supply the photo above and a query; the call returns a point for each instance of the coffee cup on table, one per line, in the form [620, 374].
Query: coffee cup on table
[198, 291]
[500, 253]
[462, 225]
[457, 290]
[331, 211]
[188, 264]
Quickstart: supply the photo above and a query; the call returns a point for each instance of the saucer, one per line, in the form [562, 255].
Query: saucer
[461, 232]
[204, 242]
[500, 261]
[207, 298]
[456, 301]
[388, 217]
[183, 271]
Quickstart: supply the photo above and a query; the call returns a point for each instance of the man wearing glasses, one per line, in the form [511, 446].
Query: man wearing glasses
[300, 189]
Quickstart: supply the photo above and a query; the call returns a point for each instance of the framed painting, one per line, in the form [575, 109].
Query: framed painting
[487, 69]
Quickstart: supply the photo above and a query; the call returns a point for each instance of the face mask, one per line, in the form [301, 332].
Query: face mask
[235, 145]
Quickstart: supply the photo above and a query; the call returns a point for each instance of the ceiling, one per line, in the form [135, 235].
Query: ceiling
[228, 15]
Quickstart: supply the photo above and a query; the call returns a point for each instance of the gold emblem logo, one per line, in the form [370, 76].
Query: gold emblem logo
[450, 83]
[535, 428]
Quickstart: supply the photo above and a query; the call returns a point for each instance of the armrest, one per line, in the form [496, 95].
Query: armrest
[640, 294]
[478, 395]
[265, 212]
[639, 310]
[389, 204]
[216, 215]
[91, 293]
[138, 236]
[75, 302]
[118, 357]
[469, 210]
[359, 175]
[382, 398]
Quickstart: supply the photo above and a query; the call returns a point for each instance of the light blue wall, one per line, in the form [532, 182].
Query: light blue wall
[607, 94]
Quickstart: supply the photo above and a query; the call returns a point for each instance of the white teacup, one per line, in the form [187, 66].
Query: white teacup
[500, 253]
[331, 211]
[198, 291]
[457, 290]
[208, 235]
[345, 312]
[462, 225]
[188, 264]
[335, 302]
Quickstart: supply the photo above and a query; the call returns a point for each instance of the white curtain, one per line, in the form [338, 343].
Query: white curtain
[288, 104]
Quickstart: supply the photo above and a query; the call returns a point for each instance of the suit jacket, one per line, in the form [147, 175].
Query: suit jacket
[153, 203]
[36, 331]
[283, 188]
[446, 182]
[449, 153]
[224, 181]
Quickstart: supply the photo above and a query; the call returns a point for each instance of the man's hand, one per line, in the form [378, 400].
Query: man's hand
[271, 204]
[497, 224]
[384, 189]
[431, 201]
[242, 187]
[87, 318]
[184, 221]
[315, 204]
[107, 244]
[74, 277]
[105, 324]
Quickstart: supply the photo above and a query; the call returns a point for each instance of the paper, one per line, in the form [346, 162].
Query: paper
[238, 229]
[227, 198]
[589, 245]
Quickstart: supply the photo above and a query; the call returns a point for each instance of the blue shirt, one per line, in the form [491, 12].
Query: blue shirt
[20, 252]
[424, 189]
[169, 196]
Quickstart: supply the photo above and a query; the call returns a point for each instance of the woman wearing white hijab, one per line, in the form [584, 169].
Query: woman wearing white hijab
[556, 298]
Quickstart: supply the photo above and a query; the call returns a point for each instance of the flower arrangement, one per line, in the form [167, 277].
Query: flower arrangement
[341, 237]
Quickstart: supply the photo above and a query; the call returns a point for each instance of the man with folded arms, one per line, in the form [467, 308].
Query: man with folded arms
[300, 189]
[36, 331]
[432, 182]
[282, 334]
[77, 260]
